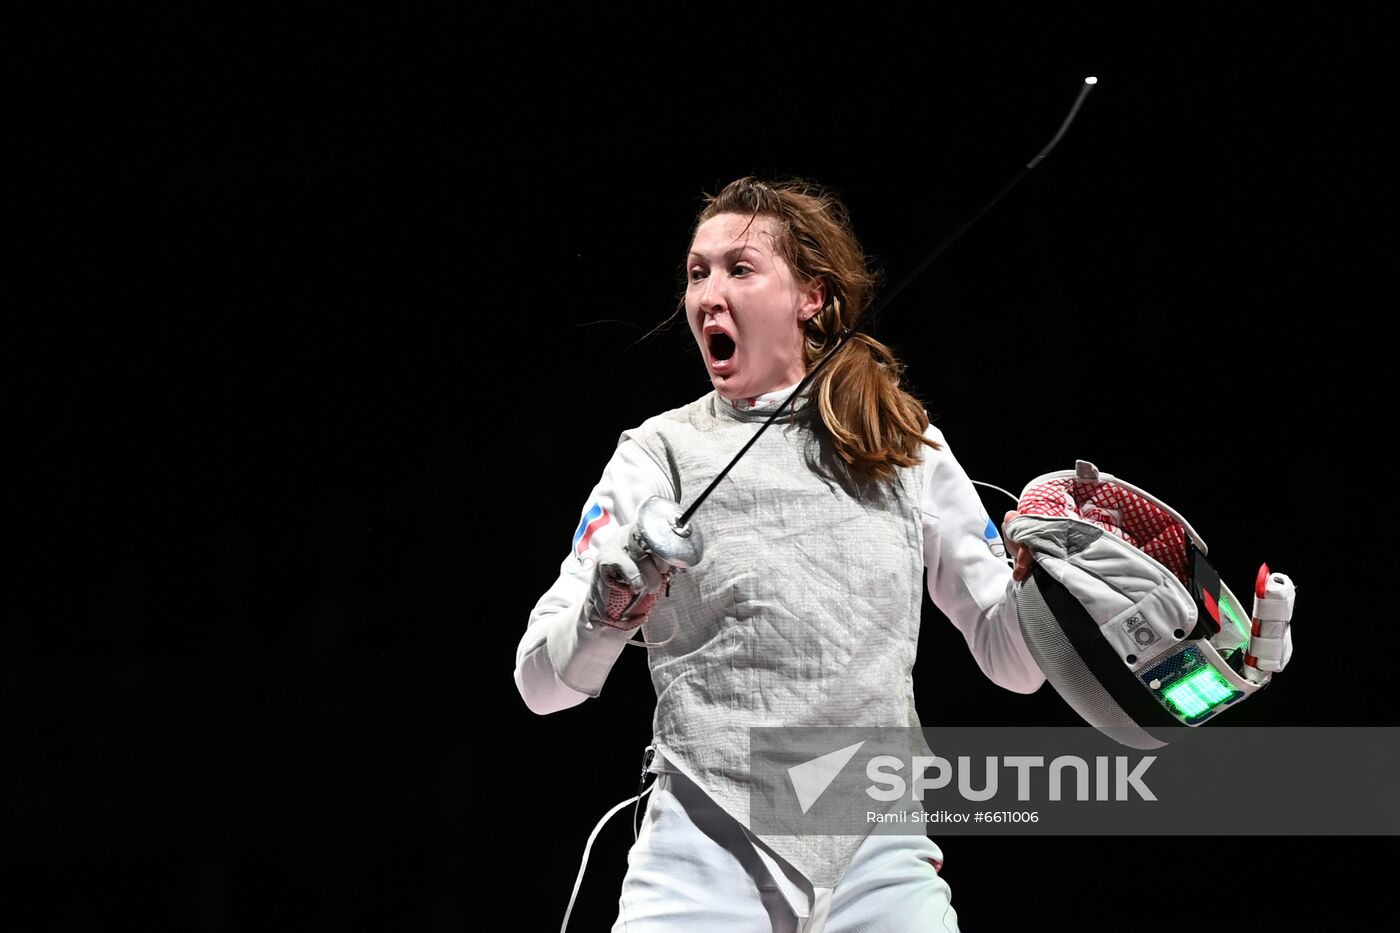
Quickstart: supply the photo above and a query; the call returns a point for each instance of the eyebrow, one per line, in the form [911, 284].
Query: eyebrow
[732, 253]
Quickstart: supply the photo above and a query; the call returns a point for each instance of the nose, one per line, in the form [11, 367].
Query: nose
[712, 298]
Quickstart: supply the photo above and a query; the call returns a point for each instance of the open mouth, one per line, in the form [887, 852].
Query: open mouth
[721, 347]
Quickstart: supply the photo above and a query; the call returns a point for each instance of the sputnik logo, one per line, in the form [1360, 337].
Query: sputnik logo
[811, 778]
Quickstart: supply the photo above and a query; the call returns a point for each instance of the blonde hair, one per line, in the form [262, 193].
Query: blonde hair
[875, 425]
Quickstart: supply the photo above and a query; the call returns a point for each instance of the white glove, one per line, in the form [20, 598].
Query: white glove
[627, 581]
[1271, 645]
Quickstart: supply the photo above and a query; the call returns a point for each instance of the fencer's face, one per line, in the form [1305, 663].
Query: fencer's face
[745, 306]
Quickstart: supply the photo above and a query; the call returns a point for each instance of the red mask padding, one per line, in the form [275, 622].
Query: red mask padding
[1119, 511]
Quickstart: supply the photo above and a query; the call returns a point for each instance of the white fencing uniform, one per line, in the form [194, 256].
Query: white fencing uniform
[804, 612]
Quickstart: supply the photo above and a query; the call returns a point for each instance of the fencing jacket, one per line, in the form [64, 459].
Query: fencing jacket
[805, 608]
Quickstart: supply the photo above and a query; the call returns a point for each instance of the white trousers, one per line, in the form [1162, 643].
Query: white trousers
[695, 868]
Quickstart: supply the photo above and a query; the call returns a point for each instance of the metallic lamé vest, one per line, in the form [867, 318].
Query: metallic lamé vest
[804, 611]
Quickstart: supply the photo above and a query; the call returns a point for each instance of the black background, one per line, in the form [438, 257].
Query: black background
[324, 324]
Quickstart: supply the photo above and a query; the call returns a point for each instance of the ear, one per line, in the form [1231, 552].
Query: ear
[811, 298]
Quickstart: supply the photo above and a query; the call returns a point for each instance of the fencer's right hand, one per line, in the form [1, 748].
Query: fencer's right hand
[627, 581]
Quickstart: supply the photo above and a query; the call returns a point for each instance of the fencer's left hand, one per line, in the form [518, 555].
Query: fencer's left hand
[1022, 554]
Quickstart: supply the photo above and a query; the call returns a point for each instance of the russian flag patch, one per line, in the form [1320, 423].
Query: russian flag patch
[993, 539]
[595, 518]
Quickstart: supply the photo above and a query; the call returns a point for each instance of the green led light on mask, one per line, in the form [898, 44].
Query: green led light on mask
[1198, 692]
